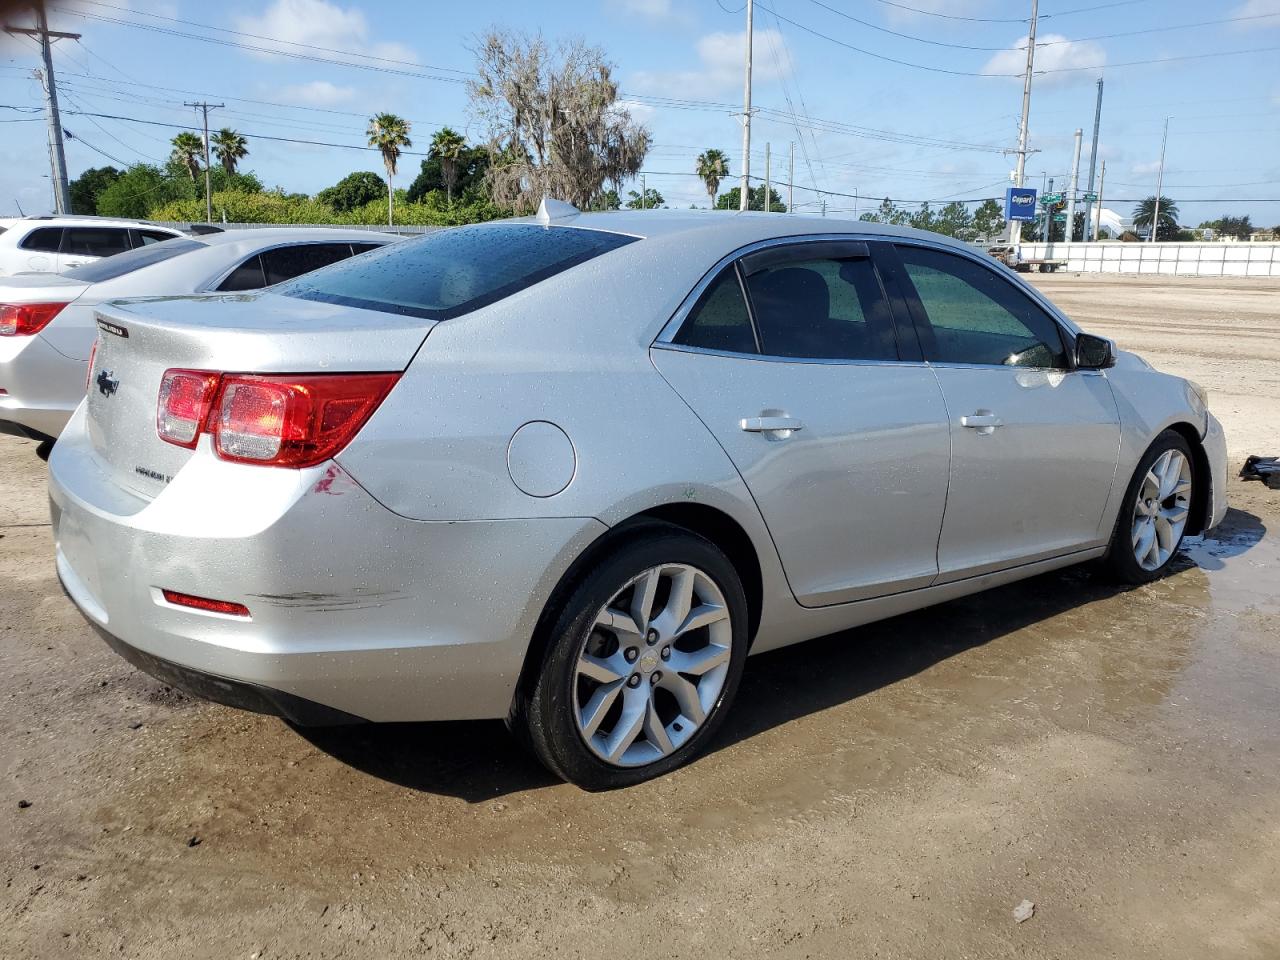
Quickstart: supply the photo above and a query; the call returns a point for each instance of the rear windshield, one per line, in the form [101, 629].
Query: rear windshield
[111, 267]
[452, 272]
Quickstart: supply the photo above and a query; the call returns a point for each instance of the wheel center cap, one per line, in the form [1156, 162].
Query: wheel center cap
[649, 662]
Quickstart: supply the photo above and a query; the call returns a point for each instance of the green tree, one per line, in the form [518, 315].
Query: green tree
[353, 191]
[988, 219]
[448, 147]
[556, 127]
[390, 134]
[229, 147]
[188, 148]
[1144, 213]
[1241, 228]
[887, 212]
[712, 167]
[473, 162]
[142, 188]
[755, 200]
[608, 200]
[651, 200]
[86, 188]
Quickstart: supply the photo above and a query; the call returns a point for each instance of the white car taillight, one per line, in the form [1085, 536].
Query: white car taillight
[281, 420]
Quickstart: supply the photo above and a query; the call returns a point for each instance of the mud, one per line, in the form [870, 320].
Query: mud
[897, 791]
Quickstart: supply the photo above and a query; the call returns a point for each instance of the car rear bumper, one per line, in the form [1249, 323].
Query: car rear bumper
[352, 607]
[42, 387]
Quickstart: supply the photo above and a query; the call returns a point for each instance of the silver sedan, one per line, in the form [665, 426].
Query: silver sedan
[47, 322]
[570, 471]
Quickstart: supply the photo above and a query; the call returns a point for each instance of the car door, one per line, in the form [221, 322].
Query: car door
[790, 357]
[40, 250]
[81, 245]
[1034, 441]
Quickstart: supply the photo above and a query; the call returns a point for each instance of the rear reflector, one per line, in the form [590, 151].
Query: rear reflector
[284, 420]
[185, 398]
[25, 319]
[204, 603]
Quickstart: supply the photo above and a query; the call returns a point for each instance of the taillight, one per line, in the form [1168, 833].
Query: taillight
[185, 398]
[282, 420]
[88, 376]
[24, 319]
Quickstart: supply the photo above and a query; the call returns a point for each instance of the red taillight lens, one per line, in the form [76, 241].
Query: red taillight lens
[24, 319]
[88, 376]
[281, 420]
[294, 421]
[185, 398]
[204, 603]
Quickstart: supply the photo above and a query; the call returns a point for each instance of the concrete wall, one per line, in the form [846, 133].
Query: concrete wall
[1182, 259]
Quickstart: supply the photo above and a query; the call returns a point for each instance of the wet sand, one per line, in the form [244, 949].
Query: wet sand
[1111, 755]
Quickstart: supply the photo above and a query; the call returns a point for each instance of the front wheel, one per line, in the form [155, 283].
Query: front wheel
[642, 663]
[1154, 513]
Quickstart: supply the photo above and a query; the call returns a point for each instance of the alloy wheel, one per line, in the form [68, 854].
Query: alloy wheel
[1161, 510]
[653, 666]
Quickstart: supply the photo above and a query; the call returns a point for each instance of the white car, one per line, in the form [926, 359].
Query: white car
[57, 244]
[47, 325]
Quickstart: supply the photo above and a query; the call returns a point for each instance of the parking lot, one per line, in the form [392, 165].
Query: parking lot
[1112, 755]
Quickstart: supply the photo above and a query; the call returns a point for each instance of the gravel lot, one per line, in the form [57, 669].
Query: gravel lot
[1111, 755]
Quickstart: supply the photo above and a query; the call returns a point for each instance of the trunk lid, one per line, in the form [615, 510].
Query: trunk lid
[41, 288]
[139, 340]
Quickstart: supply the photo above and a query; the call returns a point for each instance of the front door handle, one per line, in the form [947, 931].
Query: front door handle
[983, 421]
[770, 424]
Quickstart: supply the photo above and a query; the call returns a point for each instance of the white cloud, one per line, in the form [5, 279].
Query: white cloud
[1257, 8]
[640, 112]
[720, 57]
[317, 93]
[317, 23]
[1059, 54]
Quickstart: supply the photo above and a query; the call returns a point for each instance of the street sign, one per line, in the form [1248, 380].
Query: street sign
[1049, 199]
[1091, 197]
[1020, 203]
[1059, 218]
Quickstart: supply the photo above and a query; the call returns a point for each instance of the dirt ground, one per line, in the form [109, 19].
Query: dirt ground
[1111, 755]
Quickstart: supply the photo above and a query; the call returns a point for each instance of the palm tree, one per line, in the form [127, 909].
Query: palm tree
[713, 166]
[188, 148]
[1145, 212]
[390, 134]
[447, 147]
[229, 147]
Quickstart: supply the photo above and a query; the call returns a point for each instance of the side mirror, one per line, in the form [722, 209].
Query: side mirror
[1094, 353]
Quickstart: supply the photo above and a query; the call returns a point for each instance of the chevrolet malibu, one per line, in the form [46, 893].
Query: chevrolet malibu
[572, 470]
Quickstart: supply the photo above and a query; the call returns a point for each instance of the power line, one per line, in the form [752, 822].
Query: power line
[896, 33]
[950, 16]
[1177, 26]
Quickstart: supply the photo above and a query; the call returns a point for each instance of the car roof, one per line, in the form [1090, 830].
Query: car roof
[67, 221]
[734, 228]
[287, 234]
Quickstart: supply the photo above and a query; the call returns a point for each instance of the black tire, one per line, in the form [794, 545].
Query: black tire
[1120, 563]
[545, 718]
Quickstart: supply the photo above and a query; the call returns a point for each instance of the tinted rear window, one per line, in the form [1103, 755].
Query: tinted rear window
[123, 263]
[455, 271]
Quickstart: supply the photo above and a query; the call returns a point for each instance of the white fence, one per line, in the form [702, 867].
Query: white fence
[1180, 259]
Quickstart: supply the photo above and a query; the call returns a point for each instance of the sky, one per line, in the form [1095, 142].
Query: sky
[910, 99]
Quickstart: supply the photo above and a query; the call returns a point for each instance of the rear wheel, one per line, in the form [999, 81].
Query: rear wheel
[1154, 514]
[643, 661]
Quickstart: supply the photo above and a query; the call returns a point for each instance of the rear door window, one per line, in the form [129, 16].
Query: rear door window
[43, 240]
[143, 238]
[452, 272]
[247, 276]
[285, 263]
[720, 321]
[95, 241]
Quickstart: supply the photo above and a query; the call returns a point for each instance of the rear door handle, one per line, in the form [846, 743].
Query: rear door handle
[986, 422]
[769, 424]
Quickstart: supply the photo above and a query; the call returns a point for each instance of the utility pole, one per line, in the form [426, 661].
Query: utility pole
[1155, 222]
[57, 154]
[1015, 228]
[1047, 234]
[1097, 221]
[746, 115]
[767, 187]
[1093, 158]
[644, 190]
[1075, 185]
[791, 179]
[208, 194]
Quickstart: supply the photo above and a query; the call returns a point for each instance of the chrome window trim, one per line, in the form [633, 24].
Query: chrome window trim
[773, 358]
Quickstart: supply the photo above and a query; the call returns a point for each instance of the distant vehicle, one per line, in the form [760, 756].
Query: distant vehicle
[570, 471]
[1010, 257]
[47, 322]
[58, 244]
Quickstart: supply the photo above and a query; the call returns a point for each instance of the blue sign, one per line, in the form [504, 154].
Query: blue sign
[1020, 203]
